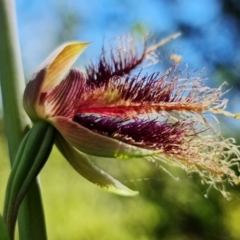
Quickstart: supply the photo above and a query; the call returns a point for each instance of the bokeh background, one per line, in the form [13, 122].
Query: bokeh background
[165, 209]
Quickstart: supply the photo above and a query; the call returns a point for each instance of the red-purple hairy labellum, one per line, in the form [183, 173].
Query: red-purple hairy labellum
[149, 134]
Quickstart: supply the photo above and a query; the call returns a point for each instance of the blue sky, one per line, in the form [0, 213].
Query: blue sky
[40, 24]
[43, 25]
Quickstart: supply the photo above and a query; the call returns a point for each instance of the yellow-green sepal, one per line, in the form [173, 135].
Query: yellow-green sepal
[82, 164]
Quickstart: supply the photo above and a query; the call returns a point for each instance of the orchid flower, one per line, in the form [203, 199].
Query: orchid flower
[114, 110]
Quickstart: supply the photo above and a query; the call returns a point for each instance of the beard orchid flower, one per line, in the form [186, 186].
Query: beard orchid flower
[112, 110]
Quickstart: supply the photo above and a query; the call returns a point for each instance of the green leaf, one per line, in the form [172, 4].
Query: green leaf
[32, 155]
[16, 121]
[3, 230]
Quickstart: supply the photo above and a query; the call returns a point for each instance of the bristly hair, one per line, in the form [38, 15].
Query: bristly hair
[156, 92]
[151, 134]
[170, 91]
[181, 133]
[122, 61]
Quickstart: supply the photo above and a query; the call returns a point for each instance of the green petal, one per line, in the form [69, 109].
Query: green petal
[81, 163]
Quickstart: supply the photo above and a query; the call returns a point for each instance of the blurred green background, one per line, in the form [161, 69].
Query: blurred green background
[165, 209]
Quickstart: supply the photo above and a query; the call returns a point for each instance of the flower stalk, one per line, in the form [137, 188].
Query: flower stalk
[16, 122]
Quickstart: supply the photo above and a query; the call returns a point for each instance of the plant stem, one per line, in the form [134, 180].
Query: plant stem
[16, 122]
[12, 79]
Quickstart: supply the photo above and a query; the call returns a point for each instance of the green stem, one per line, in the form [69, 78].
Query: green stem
[16, 121]
[31, 157]
[3, 230]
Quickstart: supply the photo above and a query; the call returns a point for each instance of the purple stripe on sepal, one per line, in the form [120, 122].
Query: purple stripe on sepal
[64, 98]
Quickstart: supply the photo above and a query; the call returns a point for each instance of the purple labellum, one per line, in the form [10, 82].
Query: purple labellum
[149, 134]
